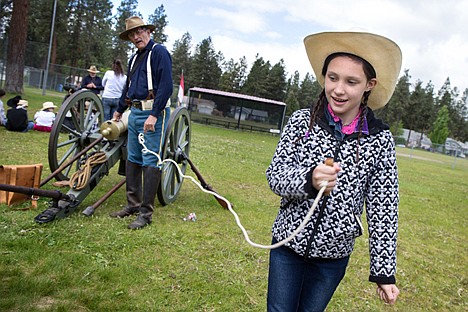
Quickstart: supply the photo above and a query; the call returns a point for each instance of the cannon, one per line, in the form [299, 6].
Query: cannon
[83, 148]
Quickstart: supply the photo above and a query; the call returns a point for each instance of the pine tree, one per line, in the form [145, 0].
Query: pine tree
[276, 89]
[256, 83]
[292, 94]
[205, 71]
[309, 92]
[123, 48]
[233, 76]
[182, 60]
[159, 19]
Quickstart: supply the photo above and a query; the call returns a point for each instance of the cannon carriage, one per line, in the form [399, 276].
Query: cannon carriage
[83, 148]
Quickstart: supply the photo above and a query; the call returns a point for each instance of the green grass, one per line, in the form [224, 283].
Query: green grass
[97, 264]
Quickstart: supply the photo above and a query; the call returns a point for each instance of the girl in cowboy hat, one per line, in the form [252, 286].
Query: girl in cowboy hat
[358, 72]
[45, 118]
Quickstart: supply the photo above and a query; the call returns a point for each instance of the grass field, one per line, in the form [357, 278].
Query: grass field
[97, 264]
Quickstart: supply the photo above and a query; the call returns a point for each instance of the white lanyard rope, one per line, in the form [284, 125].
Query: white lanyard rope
[307, 218]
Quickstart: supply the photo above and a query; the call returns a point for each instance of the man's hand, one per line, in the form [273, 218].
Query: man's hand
[117, 116]
[149, 123]
[388, 293]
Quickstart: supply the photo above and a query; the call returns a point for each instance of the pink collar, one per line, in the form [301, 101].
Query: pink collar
[346, 129]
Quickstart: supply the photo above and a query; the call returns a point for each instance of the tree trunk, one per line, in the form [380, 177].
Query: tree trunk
[17, 47]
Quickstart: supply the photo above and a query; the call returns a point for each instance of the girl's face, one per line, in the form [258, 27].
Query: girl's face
[345, 84]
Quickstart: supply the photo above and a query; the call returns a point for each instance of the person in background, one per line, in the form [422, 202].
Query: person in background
[44, 119]
[17, 115]
[149, 97]
[358, 72]
[2, 109]
[92, 81]
[113, 82]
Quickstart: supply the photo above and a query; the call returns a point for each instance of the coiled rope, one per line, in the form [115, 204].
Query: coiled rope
[307, 218]
[80, 178]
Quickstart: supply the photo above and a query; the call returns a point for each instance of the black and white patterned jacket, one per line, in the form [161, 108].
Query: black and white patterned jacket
[373, 181]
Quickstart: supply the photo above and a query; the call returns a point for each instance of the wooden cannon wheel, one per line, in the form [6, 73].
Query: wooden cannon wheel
[176, 146]
[75, 127]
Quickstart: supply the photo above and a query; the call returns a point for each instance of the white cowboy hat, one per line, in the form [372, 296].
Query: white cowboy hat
[47, 105]
[132, 23]
[382, 53]
[23, 103]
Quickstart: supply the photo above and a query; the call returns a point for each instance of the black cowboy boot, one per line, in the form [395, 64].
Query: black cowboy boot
[151, 178]
[133, 186]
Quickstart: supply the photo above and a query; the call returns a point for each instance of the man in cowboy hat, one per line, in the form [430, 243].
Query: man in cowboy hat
[358, 72]
[92, 81]
[147, 92]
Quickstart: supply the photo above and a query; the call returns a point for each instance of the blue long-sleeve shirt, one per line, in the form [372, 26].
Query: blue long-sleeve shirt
[97, 82]
[161, 73]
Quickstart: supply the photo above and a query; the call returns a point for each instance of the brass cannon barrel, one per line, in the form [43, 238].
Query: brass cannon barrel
[112, 129]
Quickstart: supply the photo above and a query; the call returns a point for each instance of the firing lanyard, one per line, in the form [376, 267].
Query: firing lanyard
[304, 222]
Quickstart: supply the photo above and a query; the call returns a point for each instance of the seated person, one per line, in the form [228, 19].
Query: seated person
[92, 82]
[17, 115]
[45, 118]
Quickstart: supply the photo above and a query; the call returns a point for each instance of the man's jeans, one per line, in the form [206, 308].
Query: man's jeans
[153, 139]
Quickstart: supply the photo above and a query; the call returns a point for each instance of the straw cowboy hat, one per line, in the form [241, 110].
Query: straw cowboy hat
[382, 53]
[23, 103]
[47, 105]
[93, 69]
[132, 23]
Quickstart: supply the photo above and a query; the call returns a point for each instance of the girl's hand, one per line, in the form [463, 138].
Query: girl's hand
[325, 173]
[388, 293]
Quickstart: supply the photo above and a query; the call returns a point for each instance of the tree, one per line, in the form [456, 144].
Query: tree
[416, 102]
[256, 83]
[39, 28]
[6, 7]
[440, 129]
[17, 46]
[398, 105]
[276, 83]
[122, 48]
[158, 19]
[309, 92]
[205, 71]
[460, 126]
[292, 94]
[234, 75]
[181, 59]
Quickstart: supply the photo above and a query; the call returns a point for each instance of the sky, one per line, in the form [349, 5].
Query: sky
[432, 34]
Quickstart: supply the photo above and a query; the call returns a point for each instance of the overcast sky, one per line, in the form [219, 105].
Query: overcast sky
[432, 34]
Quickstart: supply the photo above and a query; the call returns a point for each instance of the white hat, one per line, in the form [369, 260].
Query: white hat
[47, 105]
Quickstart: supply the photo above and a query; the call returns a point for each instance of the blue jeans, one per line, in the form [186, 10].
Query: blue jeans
[153, 139]
[110, 106]
[296, 284]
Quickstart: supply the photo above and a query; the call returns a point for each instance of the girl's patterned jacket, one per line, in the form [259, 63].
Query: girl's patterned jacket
[335, 224]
